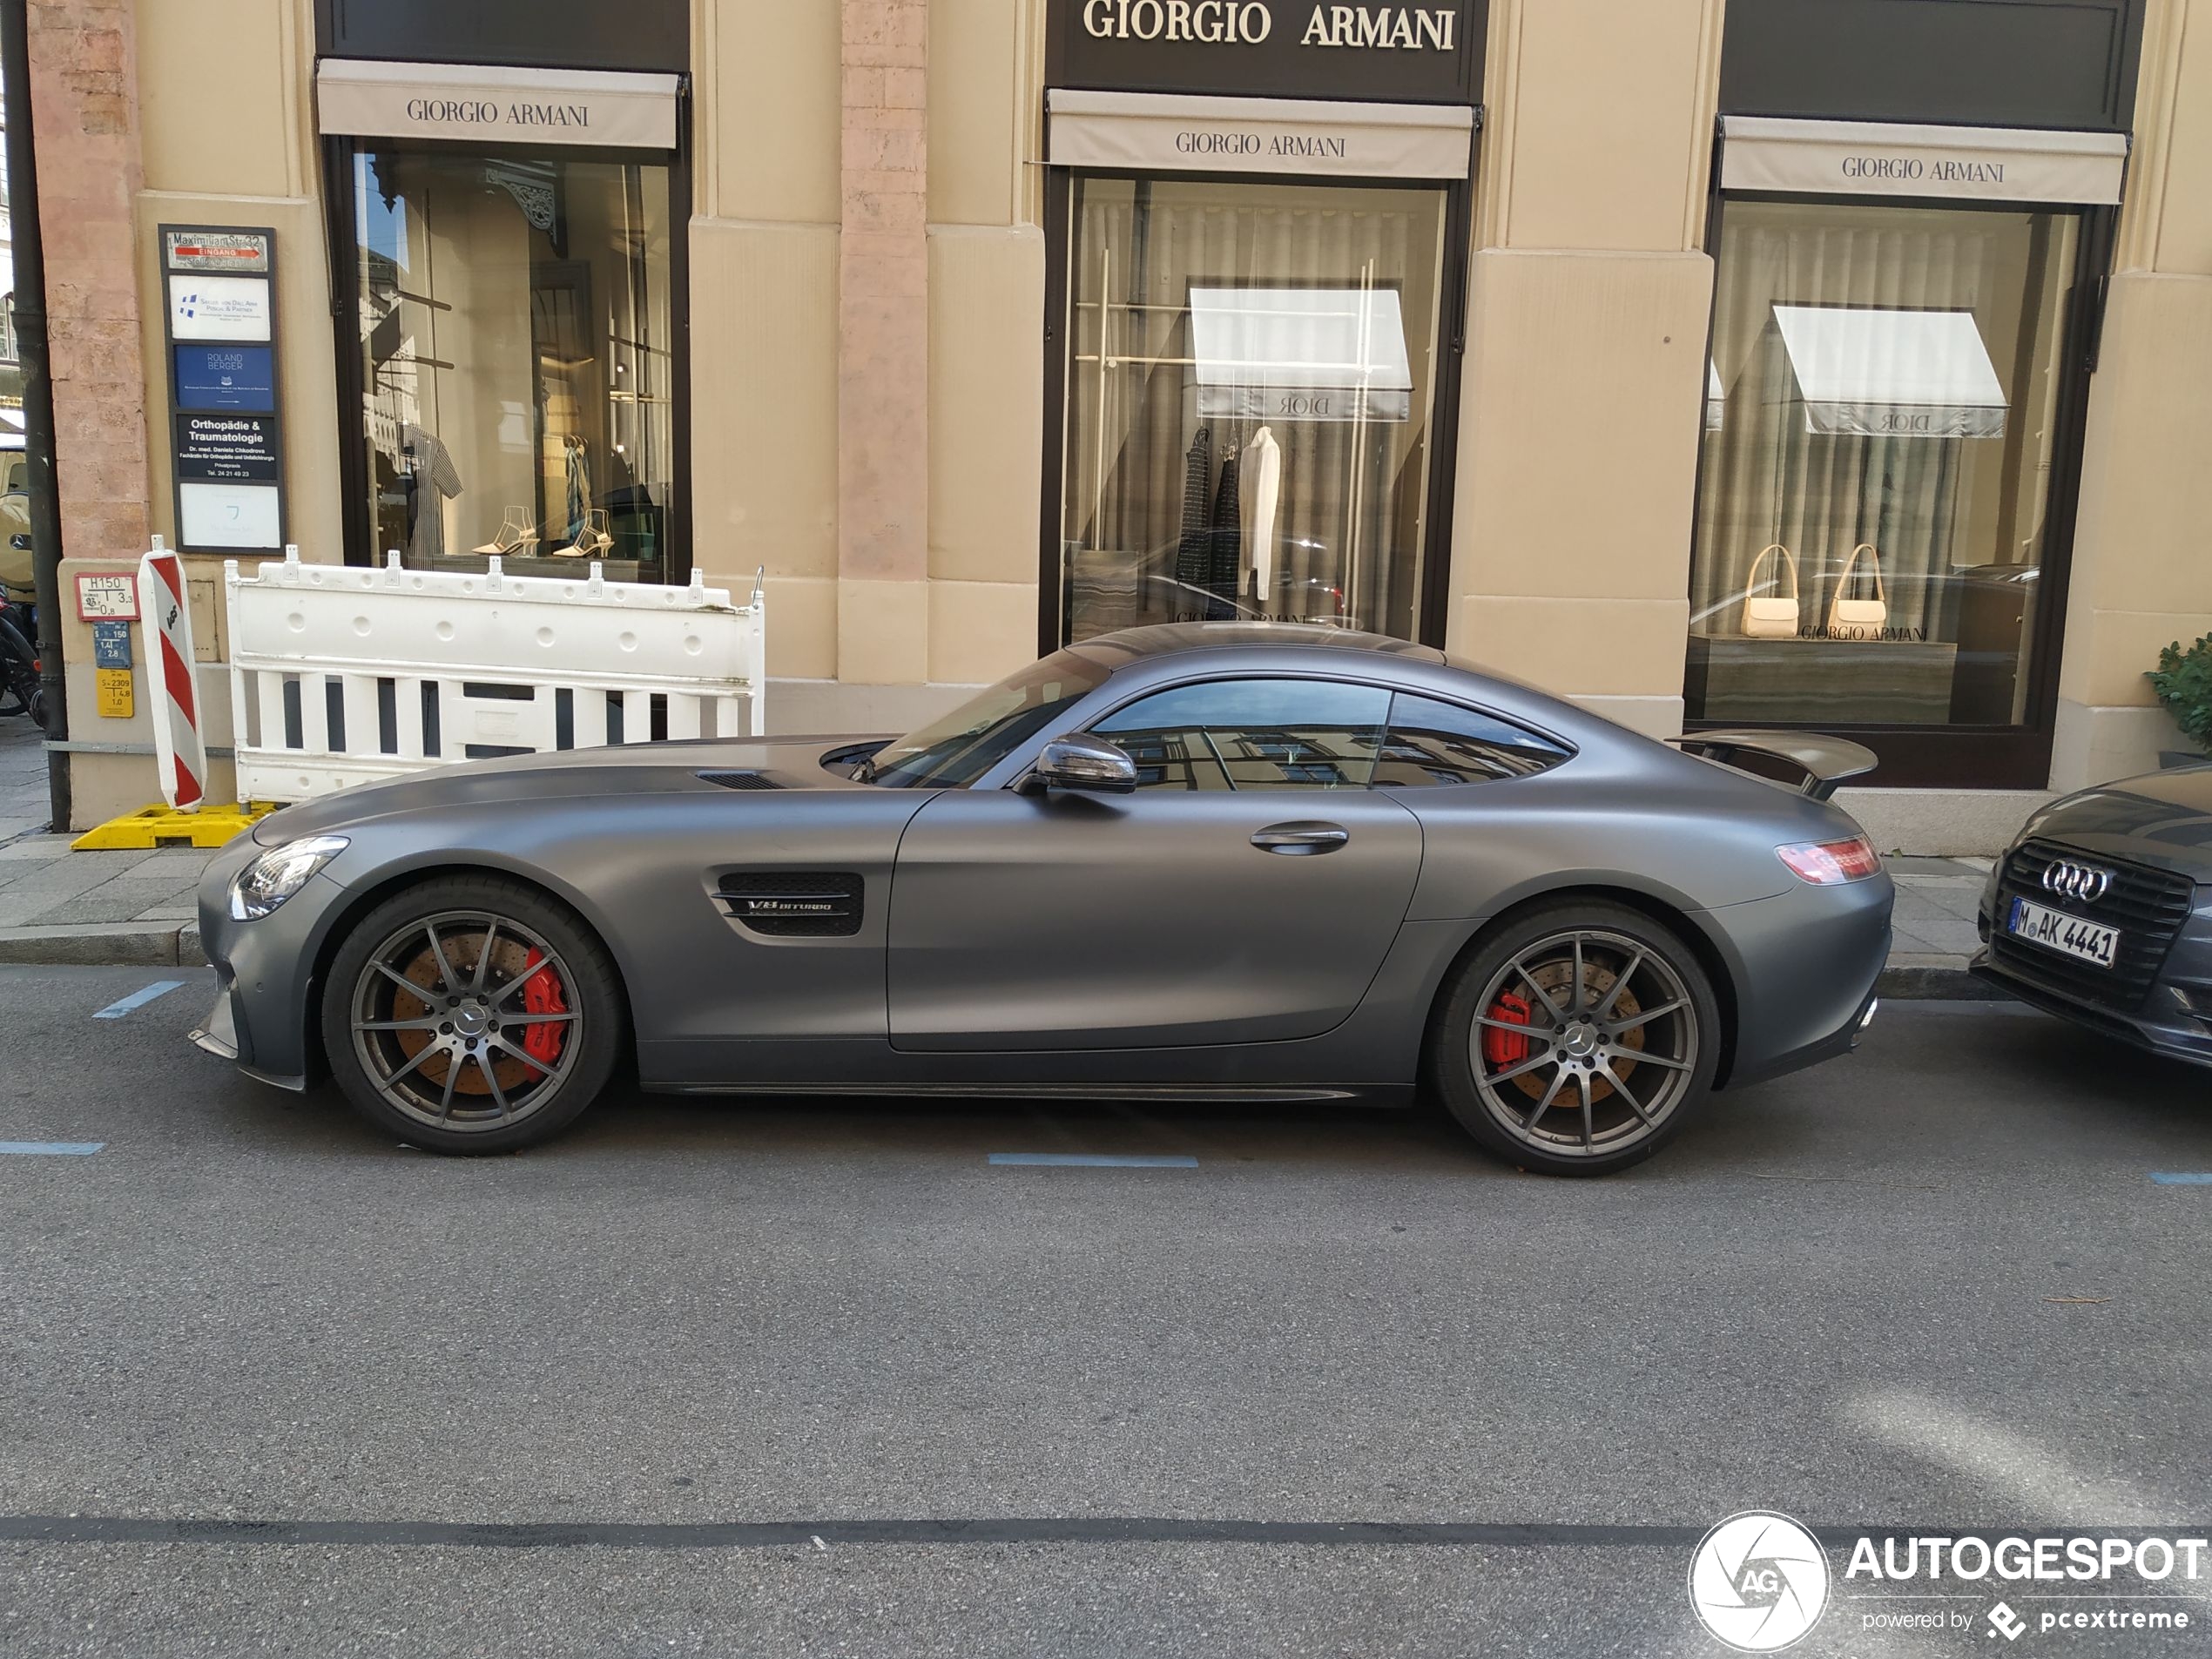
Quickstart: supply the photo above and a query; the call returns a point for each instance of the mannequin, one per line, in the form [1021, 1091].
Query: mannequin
[1263, 489]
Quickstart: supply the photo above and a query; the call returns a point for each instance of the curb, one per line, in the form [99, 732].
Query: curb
[1943, 979]
[111, 944]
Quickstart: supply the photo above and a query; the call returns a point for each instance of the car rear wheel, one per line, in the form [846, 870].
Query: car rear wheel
[472, 1015]
[1577, 1040]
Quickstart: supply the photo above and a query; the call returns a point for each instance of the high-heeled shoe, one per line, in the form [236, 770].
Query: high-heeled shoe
[515, 533]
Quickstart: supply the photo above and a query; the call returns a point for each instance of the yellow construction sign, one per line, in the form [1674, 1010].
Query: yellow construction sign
[159, 826]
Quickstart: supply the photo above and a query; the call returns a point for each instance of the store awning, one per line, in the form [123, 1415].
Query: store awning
[483, 104]
[1301, 354]
[1870, 373]
[1953, 163]
[1296, 137]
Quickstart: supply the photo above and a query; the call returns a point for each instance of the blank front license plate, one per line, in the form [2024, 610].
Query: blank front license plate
[2069, 935]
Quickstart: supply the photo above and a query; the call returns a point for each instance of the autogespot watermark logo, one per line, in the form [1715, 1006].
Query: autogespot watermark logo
[1758, 1581]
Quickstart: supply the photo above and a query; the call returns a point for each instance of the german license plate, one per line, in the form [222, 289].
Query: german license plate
[2068, 935]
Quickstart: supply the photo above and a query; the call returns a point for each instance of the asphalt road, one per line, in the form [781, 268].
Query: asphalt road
[1344, 1386]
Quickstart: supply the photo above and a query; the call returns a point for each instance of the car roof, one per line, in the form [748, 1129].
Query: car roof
[1133, 645]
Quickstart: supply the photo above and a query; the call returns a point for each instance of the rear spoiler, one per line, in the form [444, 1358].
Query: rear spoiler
[1825, 761]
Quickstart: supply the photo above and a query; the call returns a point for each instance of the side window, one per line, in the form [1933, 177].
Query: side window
[1435, 742]
[1253, 734]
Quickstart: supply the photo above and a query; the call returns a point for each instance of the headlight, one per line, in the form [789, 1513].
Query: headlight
[279, 873]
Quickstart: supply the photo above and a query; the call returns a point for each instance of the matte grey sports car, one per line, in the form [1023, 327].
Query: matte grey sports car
[2100, 912]
[1184, 862]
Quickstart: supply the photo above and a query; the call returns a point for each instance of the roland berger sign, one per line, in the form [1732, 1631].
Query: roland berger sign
[1298, 48]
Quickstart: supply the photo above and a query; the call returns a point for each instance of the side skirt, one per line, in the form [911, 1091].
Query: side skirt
[1391, 1095]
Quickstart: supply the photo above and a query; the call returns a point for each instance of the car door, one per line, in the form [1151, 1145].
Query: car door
[1247, 891]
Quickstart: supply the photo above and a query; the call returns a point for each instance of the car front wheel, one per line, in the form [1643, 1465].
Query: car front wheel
[1577, 1040]
[472, 1015]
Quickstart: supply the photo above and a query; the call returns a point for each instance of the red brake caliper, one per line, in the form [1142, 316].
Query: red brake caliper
[1505, 1048]
[542, 995]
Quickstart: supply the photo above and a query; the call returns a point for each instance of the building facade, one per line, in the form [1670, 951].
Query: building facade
[1829, 362]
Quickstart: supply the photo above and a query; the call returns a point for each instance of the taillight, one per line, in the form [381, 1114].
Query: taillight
[1829, 864]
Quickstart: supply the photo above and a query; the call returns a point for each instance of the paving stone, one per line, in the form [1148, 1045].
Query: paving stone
[35, 846]
[124, 899]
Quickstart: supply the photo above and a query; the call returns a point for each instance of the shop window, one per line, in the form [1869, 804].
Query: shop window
[1882, 417]
[1251, 384]
[516, 367]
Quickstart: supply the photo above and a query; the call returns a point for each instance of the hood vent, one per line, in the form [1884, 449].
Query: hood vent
[738, 780]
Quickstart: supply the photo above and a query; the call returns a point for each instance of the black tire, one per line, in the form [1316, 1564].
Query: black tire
[19, 690]
[1642, 1054]
[492, 1030]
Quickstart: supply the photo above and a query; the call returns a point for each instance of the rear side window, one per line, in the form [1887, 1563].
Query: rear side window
[1253, 734]
[1430, 741]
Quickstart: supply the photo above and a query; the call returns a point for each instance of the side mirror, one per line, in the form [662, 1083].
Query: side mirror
[1078, 762]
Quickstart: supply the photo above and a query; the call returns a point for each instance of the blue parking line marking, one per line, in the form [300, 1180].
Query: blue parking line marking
[2166, 1180]
[139, 999]
[51, 1148]
[1100, 1160]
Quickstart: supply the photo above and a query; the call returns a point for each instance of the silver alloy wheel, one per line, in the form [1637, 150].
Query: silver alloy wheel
[1571, 1077]
[444, 1025]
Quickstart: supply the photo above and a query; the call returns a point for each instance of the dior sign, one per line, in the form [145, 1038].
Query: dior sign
[1427, 54]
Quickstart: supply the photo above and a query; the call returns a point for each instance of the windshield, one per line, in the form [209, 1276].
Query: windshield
[953, 751]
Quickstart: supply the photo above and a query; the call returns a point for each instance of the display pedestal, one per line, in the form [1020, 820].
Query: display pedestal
[1810, 682]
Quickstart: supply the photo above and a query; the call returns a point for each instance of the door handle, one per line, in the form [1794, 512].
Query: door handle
[1304, 837]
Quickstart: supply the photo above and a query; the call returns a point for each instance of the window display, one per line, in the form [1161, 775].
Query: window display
[517, 370]
[1250, 382]
[1883, 407]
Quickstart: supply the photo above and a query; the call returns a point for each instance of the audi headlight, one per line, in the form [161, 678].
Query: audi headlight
[279, 873]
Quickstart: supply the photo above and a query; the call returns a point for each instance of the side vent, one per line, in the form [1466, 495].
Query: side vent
[794, 904]
[738, 780]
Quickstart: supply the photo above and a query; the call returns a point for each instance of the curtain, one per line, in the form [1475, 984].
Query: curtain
[1347, 519]
[1766, 478]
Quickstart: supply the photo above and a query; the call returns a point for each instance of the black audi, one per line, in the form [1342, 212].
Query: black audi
[2101, 912]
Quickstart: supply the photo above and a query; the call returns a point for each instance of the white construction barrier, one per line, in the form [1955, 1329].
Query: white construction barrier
[342, 676]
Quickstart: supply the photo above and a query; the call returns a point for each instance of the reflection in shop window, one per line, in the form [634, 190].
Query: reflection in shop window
[517, 372]
[1250, 387]
[1881, 412]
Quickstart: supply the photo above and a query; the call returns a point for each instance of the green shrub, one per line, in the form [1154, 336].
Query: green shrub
[2184, 682]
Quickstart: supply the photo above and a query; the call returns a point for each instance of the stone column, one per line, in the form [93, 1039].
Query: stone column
[1582, 383]
[85, 100]
[883, 345]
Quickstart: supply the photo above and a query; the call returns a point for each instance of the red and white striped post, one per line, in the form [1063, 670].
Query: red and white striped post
[179, 752]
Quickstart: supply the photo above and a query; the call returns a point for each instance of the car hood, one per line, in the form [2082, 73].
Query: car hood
[2163, 819]
[633, 768]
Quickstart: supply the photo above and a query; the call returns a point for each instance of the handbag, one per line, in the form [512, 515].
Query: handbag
[1850, 618]
[1770, 615]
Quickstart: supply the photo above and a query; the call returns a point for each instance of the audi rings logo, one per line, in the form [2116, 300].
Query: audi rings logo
[2083, 882]
[1758, 1581]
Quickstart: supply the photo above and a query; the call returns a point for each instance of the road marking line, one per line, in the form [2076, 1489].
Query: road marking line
[1100, 1160]
[2165, 1180]
[51, 1149]
[139, 999]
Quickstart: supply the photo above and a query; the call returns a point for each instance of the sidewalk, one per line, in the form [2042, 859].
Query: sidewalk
[56, 905]
[60, 907]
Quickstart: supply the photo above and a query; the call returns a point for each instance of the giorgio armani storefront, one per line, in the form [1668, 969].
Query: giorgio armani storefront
[1808, 362]
[1256, 225]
